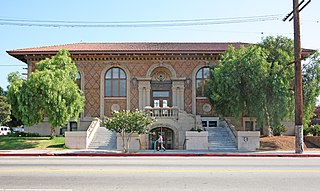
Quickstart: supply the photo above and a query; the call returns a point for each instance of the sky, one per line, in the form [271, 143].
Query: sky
[15, 37]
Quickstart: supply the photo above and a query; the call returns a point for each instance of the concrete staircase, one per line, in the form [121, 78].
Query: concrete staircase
[104, 140]
[219, 138]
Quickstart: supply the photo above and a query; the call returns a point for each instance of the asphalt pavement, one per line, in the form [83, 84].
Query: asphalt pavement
[173, 153]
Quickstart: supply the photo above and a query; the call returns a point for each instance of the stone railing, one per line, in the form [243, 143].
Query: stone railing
[82, 139]
[163, 112]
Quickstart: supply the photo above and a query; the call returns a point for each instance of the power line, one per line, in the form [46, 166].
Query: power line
[159, 23]
[13, 65]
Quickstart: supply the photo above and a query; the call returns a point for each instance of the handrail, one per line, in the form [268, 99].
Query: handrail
[184, 143]
[93, 127]
[154, 146]
[231, 127]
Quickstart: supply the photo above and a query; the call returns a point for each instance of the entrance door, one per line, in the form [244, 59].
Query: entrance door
[167, 134]
[160, 98]
[161, 94]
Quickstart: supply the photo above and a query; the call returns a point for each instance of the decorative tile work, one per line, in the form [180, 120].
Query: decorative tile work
[188, 100]
[91, 90]
[184, 68]
[134, 97]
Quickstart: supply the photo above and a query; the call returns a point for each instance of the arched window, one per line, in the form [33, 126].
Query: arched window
[202, 75]
[115, 83]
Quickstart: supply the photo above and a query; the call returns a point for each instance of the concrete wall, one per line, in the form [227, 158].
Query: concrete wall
[290, 128]
[42, 129]
[197, 140]
[248, 140]
[76, 139]
[82, 139]
[134, 143]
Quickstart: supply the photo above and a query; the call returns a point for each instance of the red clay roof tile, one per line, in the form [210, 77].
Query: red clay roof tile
[131, 47]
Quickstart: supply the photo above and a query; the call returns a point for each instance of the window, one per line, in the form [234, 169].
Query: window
[78, 80]
[161, 94]
[115, 83]
[248, 125]
[213, 124]
[202, 75]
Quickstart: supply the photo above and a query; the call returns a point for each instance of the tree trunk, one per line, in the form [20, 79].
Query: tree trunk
[123, 142]
[53, 132]
[128, 142]
[266, 126]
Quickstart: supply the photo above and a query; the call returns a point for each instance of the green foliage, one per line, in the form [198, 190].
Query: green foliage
[13, 76]
[49, 92]
[23, 134]
[39, 143]
[313, 130]
[2, 92]
[237, 82]
[258, 81]
[195, 129]
[278, 130]
[5, 111]
[311, 86]
[126, 123]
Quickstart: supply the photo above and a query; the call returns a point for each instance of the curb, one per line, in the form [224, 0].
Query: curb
[156, 155]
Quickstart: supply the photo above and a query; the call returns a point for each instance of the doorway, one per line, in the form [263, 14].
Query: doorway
[161, 94]
[167, 134]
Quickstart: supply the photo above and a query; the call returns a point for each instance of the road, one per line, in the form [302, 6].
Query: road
[158, 173]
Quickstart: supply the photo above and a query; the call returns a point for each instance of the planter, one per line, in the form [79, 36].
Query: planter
[196, 140]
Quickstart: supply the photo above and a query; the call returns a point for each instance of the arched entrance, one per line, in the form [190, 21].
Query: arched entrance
[167, 134]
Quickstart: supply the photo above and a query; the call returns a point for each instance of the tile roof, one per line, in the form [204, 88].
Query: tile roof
[130, 47]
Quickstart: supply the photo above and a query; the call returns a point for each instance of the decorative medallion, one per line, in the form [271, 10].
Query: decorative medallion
[161, 76]
[115, 107]
[206, 107]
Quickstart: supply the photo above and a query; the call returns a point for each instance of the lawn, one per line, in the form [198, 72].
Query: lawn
[38, 143]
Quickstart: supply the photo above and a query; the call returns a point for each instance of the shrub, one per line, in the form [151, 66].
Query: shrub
[278, 130]
[305, 131]
[195, 129]
[24, 134]
[313, 130]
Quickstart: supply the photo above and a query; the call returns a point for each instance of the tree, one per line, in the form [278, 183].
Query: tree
[5, 111]
[258, 81]
[2, 92]
[126, 123]
[311, 86]
[50, 92]
[237, 82]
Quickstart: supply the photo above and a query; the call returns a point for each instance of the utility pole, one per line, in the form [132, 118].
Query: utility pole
[298, 79]
[298, 73]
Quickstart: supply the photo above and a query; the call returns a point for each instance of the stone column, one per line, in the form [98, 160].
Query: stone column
[178, 94]
[144, 93]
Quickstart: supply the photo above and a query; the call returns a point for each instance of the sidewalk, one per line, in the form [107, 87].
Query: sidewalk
[151, 153]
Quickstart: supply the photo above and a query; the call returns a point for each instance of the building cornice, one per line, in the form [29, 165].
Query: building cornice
[128, 57]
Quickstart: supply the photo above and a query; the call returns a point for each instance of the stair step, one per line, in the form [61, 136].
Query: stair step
[219, 138]
[104, 140]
